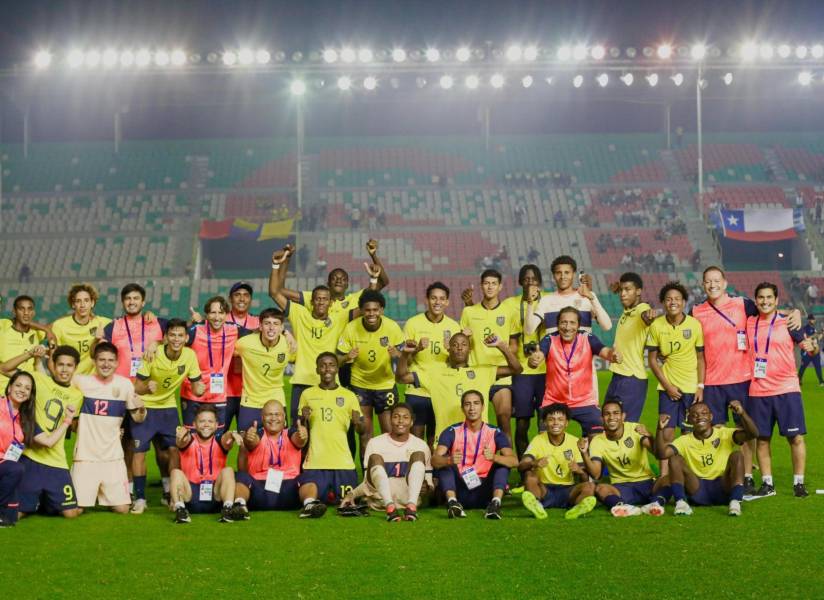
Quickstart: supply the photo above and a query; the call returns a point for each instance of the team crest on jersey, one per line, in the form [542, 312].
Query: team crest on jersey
[716, 442]
[687, 333]
[328, 322]
[31, 339]
[93, 330]
[578, 303]
[500, 321]
[447, 334]
[385, 341]
[629, 443]
[344, 304]
[470, 374]
[339, 400]
[568, 454]
[281, 357]
[181, 369]
[116, 392]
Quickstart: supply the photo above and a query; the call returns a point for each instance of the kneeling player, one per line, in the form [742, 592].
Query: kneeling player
[473, 461]
[703, 464]
[203, 480]
[396, 464]
[552, 466]
[270, 481]
[623, 449]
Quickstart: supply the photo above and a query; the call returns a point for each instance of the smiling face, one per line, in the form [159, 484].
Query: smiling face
[216, 316]
[715, 284]
[176, 338]
[24, 312]
[472, 406]
[106, 364]
[766, 301]
[437, 301]
[133, 303]
[19, 391]
[64, 368]
[240, 301]
[338, 282]
[320, 303]
[271, 328]
[700, 417]
[400, 422]
[568, 323]
[613, 416]
[674, 303]
[327, 369]
[206, 424]
[556, 423]
[564, 276]
[372, 312]
[273, 417]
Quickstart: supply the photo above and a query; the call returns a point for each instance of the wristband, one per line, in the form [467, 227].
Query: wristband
[275, 267]
[373, 280]
[701, 386]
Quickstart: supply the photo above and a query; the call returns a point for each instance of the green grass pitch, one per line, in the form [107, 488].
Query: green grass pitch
[773, 550]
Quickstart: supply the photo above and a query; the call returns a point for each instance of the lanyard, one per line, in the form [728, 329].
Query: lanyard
[723, 316]
[769, 334]
[231, 314]
[477, 446]
[271, 447]
[222, 347]
[13, 418]
[569, 358]
[200, 457]
[142, 334]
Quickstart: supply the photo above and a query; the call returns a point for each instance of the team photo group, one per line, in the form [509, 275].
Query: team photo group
[299, 408]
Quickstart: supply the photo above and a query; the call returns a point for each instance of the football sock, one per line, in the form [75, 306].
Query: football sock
[678, 491]
[381, 482]
[612, 500]
[798, 479]
[140, 487]
[737, 492]
[308, 501]
[164, 481]
[414, 479]
[767, 479]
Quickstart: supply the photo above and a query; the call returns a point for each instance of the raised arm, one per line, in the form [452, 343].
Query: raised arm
[402, 374]
[382, 276]
[750, 430]
[10, 366]
[277, 278]
[513, 366]
[49, 440]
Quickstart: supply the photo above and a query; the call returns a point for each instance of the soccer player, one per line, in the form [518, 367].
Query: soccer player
[80, 329]
[622, 449]
[19, 335]
[240, 301]
[629, 377]
[679, 340]
[728, 368]
[158, 382]
[775, 391]
[473, 460]
[552, 465]
[264, 358]
[447, 383]
[16, 432]
[704, 465]
[370, 343]
[47, 484]
[203, 480]
[317, 330]
[492, 318]
[273, 457]
[396, 466]
[98, 471]
[810, 358]
[568, 357]
[214, 344]
[328, 408]
[431, 331]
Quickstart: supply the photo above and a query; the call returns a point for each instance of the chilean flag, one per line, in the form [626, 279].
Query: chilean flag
[760, 224]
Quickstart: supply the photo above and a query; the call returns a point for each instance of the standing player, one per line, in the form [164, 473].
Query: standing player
[203, 480]
[19, 335]
[678, 339]
[622, 449]
[431, 332]
[158, 382]
[473, 461]
[568, 355]
[81, 328]
[98, 471]
[491, 318]
[775, 392]
[810, 358]
[629, 377]
[264, 358]
[47, 484]
[448, 382]
[17, 426]
[396, 465]
[724, 320]
[273, 457]
[370, 343]
[240, 301]
[328, 409]
[552, 465]
[703, 464]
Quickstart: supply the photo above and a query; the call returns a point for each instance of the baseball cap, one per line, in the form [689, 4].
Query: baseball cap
[241, 285]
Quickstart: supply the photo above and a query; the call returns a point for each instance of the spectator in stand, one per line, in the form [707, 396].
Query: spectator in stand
[372, 218]
[25, 274]
[559, 218]
[519, 213]
[381, 218]
[695, 261]
[812, 293]
[532, 255]
[355, 217]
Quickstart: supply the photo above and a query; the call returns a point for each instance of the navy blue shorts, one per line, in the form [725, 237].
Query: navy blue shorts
[494, 390]
[45, 489]
[718, 398]
[232, 410]
[589, 417]
[260, 499]
[527, 394]
[677, 410]
[785, 409]
[333, 484]
[294, 400]
[246, 416]
[379, 400]
[557, 496]
[196, 505]
[636, 492]
[160, 425]
[189, 409]
[710, 493]
[629, 391]
[422, 408]
[450, 480]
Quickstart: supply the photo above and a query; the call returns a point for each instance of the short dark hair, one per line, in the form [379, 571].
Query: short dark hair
[633, 278]
[563, 260]
[437, 285]
[175, 323]
[203, 408]
[553, 408]
[216, 299]
[23, 298]
[492, 273]
[326, 355]
[333, 271]
[320, 288]
[132, 287]
[402, 406]
[272, 313]
[66, 351]
[673, 285]
[713, 268]
[471, 393]
[765, 285]
[570, 309]
[104, 346]
[530, 267]
[371, 296]
[612, 400]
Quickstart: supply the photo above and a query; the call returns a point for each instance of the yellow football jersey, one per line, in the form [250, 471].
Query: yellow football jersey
[707, 458]
[678, 345]
[347, 303]
[437, 352]
[630, 337]
[14, 343]
[556, 471]
[313, 336]
[626, 458]
[262, 369]
[518, 307]
[372, 368]
[446, 386]
[169, 375]
[50, 409]
[331, 414]
[71, 333]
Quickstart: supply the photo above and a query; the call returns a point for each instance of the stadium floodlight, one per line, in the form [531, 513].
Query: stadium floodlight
[126, 58]
[370, 83]
[817, 51]
[698, 51]
[749, 51]
[348, 55]
[178, 57]
[549, 80]
[74, 58]
[92, 58]
[805, 78]
[664, 51]
[162, 58]
[398, 55]
[801, 52]
[598, 52]
[579, 52]
[245, 56]
[472, 82]
[109, 58]
[497, 81]
[420, 82]
[42, 59]
[766, 51]
[514, 53]
[330, 55]
[365, 55]
[677, 79]
[527, 81]
[530, 53]
[446, 82]
[602, 79]
[297, 87]
[578, 81]
[344, 83]
[628, 79]
[262, 57]
[230, 58]
[433, 54]
[143, 57]
[632, 52]
[784, 50]
[463, 54]
[652, 79]
[564, 53]
[727, 79]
